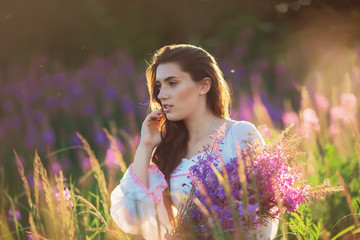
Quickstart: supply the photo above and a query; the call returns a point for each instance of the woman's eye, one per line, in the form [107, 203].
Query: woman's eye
[172, 83]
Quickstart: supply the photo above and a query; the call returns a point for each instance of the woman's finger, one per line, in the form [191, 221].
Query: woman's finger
[156, 115]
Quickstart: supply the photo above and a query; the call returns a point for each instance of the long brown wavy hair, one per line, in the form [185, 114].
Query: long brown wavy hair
[199, 64]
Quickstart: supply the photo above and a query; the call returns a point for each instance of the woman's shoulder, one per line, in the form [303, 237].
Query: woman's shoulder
[239, 134]
[239, 126]
[239, 131]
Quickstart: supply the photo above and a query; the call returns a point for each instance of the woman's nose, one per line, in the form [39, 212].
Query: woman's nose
[162, 94]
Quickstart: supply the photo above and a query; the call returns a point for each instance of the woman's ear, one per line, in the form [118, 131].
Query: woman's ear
[205, 85]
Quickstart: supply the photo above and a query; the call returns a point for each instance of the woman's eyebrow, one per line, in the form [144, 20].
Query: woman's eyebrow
[166, 79]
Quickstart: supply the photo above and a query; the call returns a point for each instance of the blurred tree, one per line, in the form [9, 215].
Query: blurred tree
[71, 31]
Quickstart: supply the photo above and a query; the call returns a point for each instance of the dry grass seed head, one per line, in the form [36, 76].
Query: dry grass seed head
[98, 173]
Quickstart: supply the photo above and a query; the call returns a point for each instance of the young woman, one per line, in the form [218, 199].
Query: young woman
[189, 99]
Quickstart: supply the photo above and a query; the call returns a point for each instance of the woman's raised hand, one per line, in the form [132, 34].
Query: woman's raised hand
[150, 130]
[175, 236]
[150, 138]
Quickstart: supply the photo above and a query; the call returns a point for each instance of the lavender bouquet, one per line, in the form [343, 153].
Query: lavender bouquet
[231, 198]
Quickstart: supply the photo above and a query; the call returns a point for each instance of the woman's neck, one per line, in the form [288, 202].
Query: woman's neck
[201, 123]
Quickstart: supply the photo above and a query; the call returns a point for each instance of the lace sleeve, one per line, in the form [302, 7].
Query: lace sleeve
[138, 209]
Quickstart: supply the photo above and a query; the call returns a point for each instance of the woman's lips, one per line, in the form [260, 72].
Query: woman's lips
[167, 107]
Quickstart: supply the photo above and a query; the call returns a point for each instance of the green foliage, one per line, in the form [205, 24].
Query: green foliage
[302, 224]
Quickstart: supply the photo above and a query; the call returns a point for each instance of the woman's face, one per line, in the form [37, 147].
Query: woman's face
[180, 96]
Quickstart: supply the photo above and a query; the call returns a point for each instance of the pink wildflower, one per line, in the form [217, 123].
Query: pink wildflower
[348, 103]
[245, 110]
[256, 78]
[321, 102]
[289, 118]
[310, 121]
[347, 109]
[67, 196]
[280, 69]
[336, 113]
[345, 113]
[262, 64]
[334, 129]
[84, 161]
[56, 167]
[111, 159]
[265, 131]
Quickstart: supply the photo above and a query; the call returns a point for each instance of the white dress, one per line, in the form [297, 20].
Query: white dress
[138, 209]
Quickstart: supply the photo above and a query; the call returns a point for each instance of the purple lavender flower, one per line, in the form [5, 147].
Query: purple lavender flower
[99, 136]
[256, 78]
[52, 102]
[31, 136]
[245, 111]
[58, 78]
[48, 136]
[127, 105]
[247, 32]
[30, 237]
[65, 163]
[16, 122]
[30, 179]
[11, 215]
[274, 112]
[85, 163]
[141, 91]
[99, 80]
[7, 105]
[76, 90]
[110, 93]
[241, 51]
[75, 140]
[38, 117]
[280, 69]
[262, 64]
[127, 68]
[89, 110]
[56, 167]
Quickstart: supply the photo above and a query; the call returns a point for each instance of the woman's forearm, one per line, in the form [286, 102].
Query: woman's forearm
[141, 163]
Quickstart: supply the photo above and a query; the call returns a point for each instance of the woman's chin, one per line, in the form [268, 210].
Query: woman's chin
[171, 117]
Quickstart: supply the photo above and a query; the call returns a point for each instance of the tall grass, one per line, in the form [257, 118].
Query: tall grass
[58, 209]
